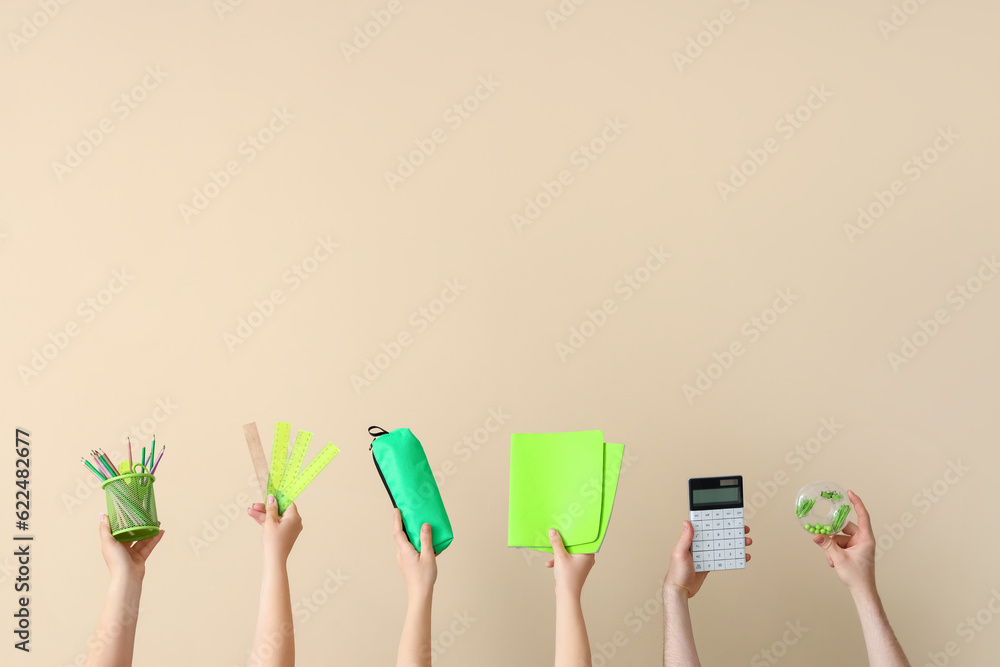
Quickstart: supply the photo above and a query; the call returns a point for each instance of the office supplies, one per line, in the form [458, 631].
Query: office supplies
[285, 479]
[155, 465]
[717, 516]
[257, 455]
[822, 507]
[408, 479]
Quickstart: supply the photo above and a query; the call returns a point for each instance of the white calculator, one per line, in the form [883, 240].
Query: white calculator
[717, 517]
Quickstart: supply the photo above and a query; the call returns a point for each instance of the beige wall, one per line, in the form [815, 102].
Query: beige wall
[680, 129]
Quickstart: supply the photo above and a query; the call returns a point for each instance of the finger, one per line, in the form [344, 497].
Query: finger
[257, 515]
[272, 509]
[746, 529]
[145, 547]
[104, 529]
[398, 534]
[850, 528]
[749, 541]
[550, 563]
[748, 558]
[843, 541]
[687, 536]
[864, 520]
[291, 512]
[426, 541]
[558, 549]
[831, 547]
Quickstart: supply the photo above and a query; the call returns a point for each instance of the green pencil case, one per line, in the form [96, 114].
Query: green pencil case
[402, 464]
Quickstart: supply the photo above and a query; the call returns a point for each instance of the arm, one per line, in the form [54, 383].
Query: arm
[852, 555]
[682, 583]
[572, 644]
[114, 639]
[420, 572]
[274, 639]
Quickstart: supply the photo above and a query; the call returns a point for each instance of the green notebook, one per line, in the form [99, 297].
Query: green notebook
[565, 481]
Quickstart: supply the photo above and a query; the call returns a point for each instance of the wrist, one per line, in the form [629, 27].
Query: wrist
[128, 578]
[568, 594]
[673, 592]
[420, 596]
[865, 594]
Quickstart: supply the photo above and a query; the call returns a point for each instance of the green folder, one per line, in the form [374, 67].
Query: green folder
[565, 481]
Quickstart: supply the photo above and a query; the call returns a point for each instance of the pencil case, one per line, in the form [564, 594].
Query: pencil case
[402, 464]
[131, 507]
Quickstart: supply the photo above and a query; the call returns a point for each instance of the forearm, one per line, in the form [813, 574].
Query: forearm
[883, 647]
[274, 640]
[415, 640]
[114, 638]
[572, 644]
[678, 636]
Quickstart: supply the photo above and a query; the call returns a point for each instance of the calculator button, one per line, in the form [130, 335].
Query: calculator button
[728, 523]
[731, 554]
[707, 545]
[719, 565]
[740, 564]
[699, 567]
[720, 555]
[697, 546]
[729, 534]
[741, 554]
[730, 565]
[716, 514]
[738, 512]
[730, 544]
[717, 535]
[696, 515]
[717, 524]
[698, 556]
[727, 514]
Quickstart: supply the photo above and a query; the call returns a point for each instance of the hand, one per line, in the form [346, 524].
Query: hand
[570, 570]
[681, 574]
[852, 554]
[125, 561]
[280, 531]
[419, 568]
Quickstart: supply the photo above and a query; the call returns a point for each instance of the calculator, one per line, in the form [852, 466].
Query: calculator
[717, 517]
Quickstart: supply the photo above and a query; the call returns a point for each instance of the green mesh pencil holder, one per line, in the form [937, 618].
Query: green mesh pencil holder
[131, 507]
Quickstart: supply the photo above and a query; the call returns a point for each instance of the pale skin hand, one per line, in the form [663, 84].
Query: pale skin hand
[419, 572]
[852, 556]
[114, 639]
[274, 639]
[570, 570]
[680, 584]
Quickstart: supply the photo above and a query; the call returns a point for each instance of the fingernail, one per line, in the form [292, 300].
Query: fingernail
[270, 499]
[552, 532]
[100, 517]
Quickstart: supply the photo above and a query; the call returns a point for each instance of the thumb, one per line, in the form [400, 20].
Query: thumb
[104, 529]
[833, 550]
[426, 540]
[555, 539]
[272, 508]
[687, 536]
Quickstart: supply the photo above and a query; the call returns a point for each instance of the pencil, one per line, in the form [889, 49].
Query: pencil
[93, 469]
[107, 459]
[130, 465]
[100, 463]
[104, 464]
[162, 449]
[152, 452]
[144, 459]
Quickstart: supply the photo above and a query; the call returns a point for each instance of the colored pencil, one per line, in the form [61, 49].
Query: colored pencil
[162, 449]
[130, 464]
[93, 469]
[144, 459]
[107, 461]
[101, 464]
[152, 452]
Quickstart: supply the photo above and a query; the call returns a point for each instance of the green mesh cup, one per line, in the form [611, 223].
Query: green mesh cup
[131, 507]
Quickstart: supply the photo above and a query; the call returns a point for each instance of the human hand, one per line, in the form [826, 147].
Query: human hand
[852, 554]
[280, 531]
[124, 561]
[570, 570]
[681, 575]
[419, 568]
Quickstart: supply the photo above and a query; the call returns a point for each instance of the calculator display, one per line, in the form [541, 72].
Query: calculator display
[730, 494]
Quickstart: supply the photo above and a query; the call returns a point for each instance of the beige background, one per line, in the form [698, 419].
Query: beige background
[162, 337]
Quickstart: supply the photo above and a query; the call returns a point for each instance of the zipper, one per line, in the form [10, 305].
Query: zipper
[375, 461]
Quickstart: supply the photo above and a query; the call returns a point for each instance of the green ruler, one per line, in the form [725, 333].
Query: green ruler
[287, 479]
